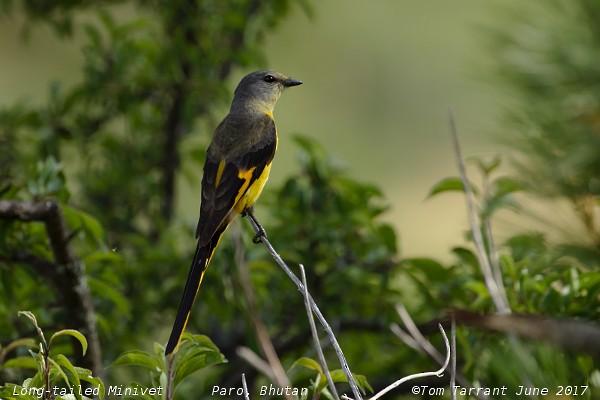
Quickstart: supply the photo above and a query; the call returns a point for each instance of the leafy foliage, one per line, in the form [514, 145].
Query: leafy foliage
[549, 65]
[56, 377]
[109, 153]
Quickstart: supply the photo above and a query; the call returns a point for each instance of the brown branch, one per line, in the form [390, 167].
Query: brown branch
[66, 274]
[570, 334]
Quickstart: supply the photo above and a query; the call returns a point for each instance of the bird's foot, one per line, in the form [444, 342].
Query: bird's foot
[259, 236]
[260, 233]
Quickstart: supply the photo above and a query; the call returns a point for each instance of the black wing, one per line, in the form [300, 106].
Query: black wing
[225, 182]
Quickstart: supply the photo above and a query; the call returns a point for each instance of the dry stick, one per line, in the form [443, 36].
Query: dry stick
[170, 376]
[416, 334]
[453, 359]
[438, 373]
[494, 257]
[262, 335]
[315, 336]
[245, 386]
[500, 302]
[405, 337]
[257, 228]
[424, 344]
[255, 361]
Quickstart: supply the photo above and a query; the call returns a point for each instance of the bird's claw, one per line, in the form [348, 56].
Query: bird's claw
[259, 236]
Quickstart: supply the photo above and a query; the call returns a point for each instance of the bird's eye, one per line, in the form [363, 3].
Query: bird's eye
[269, 79]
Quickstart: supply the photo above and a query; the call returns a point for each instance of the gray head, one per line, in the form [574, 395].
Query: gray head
[262, 88]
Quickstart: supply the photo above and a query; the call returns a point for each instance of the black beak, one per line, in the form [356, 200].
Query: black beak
[289, 82]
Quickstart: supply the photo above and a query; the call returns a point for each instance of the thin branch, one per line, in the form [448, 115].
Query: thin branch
[500, 302]
[493, 250]
[255, 361]
[245, 386]
[313, 305]
[315, 336]
[264, 340]
[453, 360]
[424, 344]
[405, 337]
[437, 373]
[416, 334]
[170, 391]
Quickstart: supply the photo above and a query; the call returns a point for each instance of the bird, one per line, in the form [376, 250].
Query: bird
[237, 166]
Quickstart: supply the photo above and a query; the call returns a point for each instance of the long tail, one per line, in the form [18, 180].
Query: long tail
[201, 260]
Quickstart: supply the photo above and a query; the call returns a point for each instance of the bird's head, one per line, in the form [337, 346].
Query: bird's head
[263, 87]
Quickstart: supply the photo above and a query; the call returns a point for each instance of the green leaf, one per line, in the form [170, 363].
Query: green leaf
[449, 185]
[27, 342]
[387, 234]
[76, 334]
[307, 363]
[21, 362]
[23, 393]
[55, 368]
[197, 352]
[338, 375]
[487, 167]
[66, 364]
[467, 257]
[505, 185]
[139, 358]
[478, 288]
[85, 221]
[86, 375]
[433, 270]
[29, 315]
[101, 289]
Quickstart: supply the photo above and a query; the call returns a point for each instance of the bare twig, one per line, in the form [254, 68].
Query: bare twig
[344, 364]
[424, 344]
[416, 334]
[264, 340]
[438, 373]
[315, 336]
[493, 250]
[245, 386]
[170, 391]
[453, 359]
[405, 337]
[500, 302]
[254, 360]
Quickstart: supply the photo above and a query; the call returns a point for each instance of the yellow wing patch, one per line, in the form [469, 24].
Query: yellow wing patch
[250, 194]
[220, 170]
[246, 176]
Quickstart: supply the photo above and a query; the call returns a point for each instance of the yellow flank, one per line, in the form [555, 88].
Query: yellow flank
[246, 176]
[220, 169]
[253, 192]
[270, 114]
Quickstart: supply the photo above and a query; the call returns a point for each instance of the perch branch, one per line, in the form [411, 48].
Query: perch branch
[262, 335]
[313, 305]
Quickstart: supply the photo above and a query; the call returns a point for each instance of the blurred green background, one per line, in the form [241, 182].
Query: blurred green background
[379, 79]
